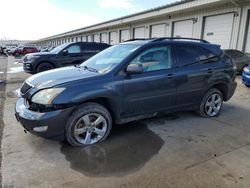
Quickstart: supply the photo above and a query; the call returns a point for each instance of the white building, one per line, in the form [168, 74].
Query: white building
[224, 22]
[15, 43]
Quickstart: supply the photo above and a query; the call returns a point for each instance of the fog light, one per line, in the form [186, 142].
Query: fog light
[40, 129]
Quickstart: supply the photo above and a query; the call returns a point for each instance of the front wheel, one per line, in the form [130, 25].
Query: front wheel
[90, 123]
[44, 67]
[211, 103]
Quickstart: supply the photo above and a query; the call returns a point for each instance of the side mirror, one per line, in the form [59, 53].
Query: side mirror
[134, 69]
[65, 52]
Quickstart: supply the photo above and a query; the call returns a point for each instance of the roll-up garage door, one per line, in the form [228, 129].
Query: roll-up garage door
[218, 29]
[113, 37]
[183, 28]
[125, 35]
[96, 38]
[158, 30]
[89, 38]
[104, 38]
[248, 38]
[139, 32]
[84, 38]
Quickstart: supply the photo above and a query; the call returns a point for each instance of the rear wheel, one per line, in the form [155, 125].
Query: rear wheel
[91, 123]
[43, 67]
[211, 103]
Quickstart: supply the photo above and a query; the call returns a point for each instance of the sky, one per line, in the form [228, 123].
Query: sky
[36, 19]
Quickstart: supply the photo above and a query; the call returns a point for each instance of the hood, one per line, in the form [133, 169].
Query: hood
[59, 76]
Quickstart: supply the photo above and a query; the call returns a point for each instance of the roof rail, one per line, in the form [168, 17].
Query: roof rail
[167, 38]
[137, 39]
[179, 38]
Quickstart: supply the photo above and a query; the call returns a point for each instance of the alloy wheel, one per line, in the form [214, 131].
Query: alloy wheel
[213, 105]
[90, 128]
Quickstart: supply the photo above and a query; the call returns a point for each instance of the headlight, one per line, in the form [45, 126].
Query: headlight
[246, 70]
[46, 96]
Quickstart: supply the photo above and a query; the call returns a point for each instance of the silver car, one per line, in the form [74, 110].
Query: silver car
[240, 58]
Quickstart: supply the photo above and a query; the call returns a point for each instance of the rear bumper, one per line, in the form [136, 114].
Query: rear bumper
[54, 120]
[231, 89]
[245, 79]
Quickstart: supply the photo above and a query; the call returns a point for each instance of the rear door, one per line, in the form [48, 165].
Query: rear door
[72, 57]
[192, 75]
[154, 89]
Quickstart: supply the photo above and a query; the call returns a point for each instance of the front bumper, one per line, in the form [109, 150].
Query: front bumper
[245, 79]
[54, 120]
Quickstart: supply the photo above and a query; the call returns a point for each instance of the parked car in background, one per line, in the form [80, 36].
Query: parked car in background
[24, 50]
[246, 76]
[47, 49]
[12, 50]
[63, 55]
[126, 82]
[241, 59]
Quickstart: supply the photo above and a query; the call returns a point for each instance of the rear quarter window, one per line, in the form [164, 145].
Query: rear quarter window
[93, 48]
[234, 53]
[187, 54]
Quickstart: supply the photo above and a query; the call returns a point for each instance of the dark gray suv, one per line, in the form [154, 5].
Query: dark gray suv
[64, 55]
[126, 82]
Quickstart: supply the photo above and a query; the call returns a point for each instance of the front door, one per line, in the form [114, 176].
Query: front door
[155, 88]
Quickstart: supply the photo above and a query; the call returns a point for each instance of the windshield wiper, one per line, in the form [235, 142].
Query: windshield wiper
[90, 69]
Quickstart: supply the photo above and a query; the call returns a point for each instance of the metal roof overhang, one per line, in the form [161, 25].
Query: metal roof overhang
[167, 10]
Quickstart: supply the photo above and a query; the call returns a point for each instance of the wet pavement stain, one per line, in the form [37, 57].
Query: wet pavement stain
[126, 150]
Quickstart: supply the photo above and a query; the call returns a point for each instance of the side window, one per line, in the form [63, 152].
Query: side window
[157, 58]
[234, 54]
[91, 48]
[188, 54]
[74, 49]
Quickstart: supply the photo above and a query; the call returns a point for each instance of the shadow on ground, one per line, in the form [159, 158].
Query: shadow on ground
[128, 148]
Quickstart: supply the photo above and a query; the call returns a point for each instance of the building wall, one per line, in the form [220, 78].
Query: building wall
[238, 35]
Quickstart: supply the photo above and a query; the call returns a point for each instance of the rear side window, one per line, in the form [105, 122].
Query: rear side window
[234, 54]
[92, 48]
[189, 54]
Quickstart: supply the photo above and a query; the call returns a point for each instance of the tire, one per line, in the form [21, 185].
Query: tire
[211, 103]
[81, 129]
[44, 67]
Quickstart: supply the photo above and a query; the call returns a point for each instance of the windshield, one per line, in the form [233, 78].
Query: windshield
[108, 59]
[59, 48]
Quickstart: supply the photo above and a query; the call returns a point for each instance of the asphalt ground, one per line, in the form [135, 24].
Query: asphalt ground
[178, 150]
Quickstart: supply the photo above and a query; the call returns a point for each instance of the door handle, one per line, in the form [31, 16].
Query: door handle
[170, 76]
[210, 70]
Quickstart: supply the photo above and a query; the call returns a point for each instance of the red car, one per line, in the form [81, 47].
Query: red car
[25, 50]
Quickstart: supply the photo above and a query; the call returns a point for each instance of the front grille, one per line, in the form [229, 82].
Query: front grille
[25, 87]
